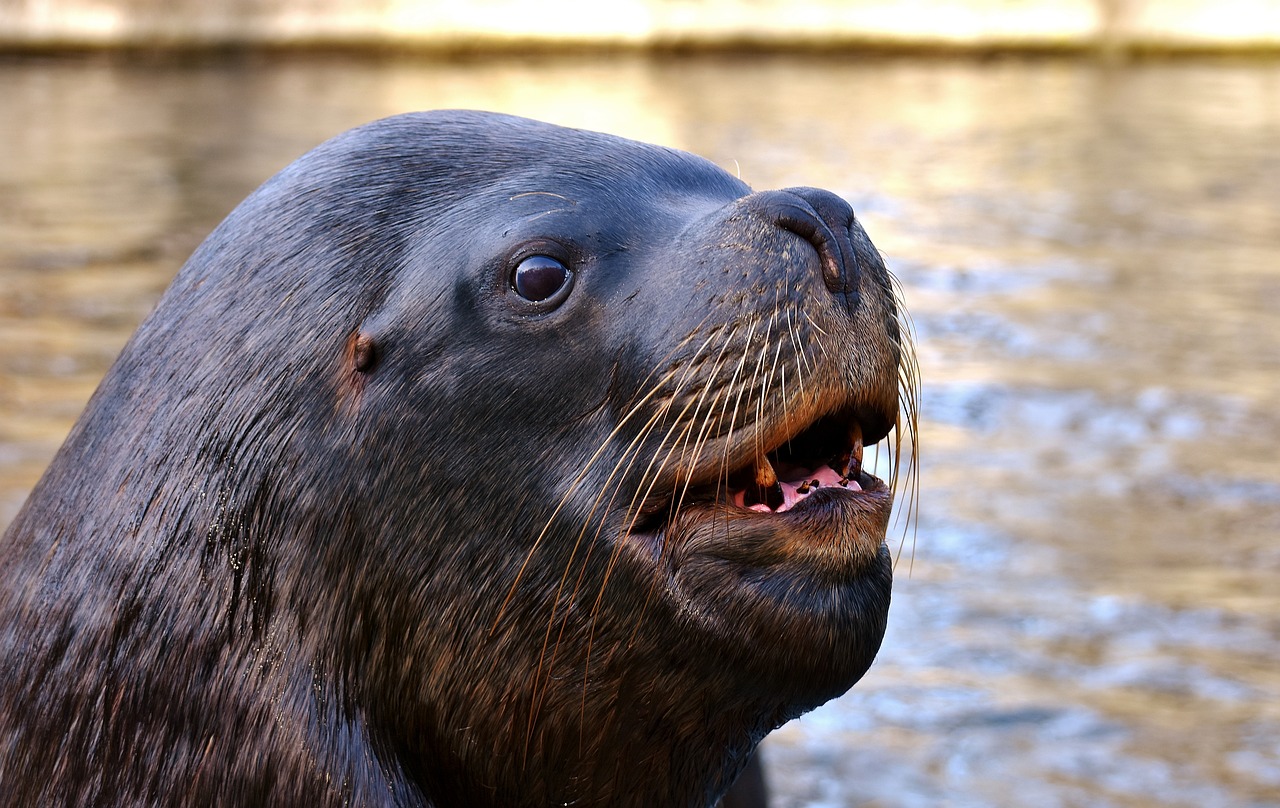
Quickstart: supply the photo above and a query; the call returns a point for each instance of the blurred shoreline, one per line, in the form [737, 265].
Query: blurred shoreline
[1108, 27]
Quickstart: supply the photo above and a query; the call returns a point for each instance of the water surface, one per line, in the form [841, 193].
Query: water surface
[1088, 608]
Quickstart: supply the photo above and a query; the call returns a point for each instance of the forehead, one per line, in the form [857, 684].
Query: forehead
[584, 165]
[604, 184]
[432, 162]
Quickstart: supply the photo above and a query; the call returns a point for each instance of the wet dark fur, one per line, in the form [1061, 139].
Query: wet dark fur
[294, 553]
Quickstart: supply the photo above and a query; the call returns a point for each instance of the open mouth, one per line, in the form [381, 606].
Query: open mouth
[793, 535]
[828, 454]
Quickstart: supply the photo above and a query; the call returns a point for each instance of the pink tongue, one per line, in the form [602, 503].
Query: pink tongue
[824, 475]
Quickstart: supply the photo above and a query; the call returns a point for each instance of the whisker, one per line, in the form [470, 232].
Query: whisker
[908, 426]
[756, 377]
[573, 488]
[576, 483]
[738, 390]
[632, 452]
[620, 469]
[708, 421]
[648, 481]
[643, 491]
[767, 381]
[814, 323]
[803, 365]
[652, 476]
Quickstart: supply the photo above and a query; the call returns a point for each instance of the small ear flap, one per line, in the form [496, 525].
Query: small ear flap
[360, 358]
[365, 352]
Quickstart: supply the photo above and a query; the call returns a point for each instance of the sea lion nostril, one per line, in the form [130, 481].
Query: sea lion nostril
[823, 219]
[838, 217]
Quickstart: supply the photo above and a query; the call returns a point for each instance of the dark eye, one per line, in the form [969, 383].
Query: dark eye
[539, 277]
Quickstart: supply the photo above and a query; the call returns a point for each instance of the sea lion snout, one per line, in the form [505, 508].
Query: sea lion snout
[823, 219]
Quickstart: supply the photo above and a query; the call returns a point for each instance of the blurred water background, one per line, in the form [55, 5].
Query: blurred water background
[1087, 611]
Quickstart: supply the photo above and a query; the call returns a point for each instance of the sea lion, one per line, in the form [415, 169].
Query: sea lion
[471, 461]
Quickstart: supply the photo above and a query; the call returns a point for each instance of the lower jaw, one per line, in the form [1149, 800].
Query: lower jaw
[830, 524]
[782, 566]
[805, 632]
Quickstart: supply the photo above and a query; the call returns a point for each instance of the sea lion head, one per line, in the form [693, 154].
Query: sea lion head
[528, 457]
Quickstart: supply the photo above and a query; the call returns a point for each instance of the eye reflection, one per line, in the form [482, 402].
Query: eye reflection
[539, 277]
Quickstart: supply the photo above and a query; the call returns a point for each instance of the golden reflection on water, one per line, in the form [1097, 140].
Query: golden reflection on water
[1092, 260]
